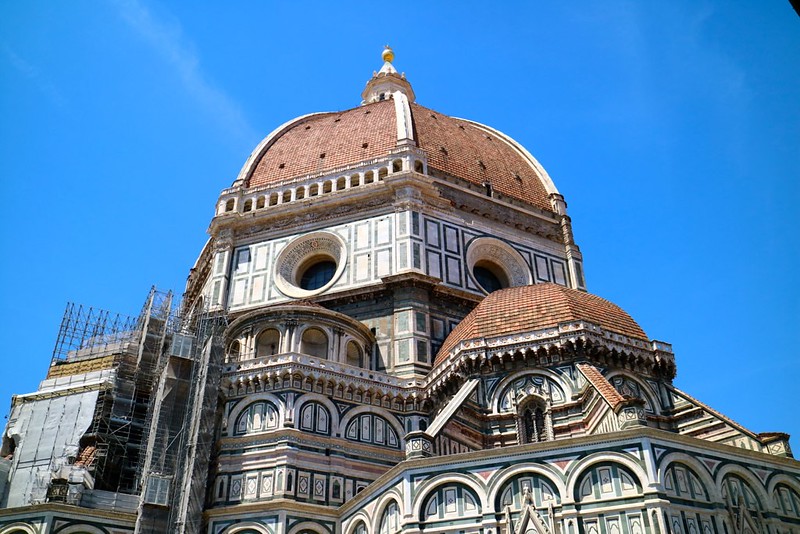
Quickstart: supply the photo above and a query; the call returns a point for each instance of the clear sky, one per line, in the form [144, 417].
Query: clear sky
[672, 129]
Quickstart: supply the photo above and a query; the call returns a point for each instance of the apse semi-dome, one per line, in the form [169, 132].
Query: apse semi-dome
[535, 307]
[324, 142]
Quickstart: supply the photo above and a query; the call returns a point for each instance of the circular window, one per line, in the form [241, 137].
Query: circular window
[317, 274]
[310, 264]
[488, 277]
[496, 265]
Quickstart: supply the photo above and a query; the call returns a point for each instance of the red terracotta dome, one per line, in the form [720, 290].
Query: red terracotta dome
[458, 148]
[526, 308]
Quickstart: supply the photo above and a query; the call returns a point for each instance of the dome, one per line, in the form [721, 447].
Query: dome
[324, 142]
[526, 308]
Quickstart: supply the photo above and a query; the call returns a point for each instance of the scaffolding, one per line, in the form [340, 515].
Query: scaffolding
[198, 440]
[92, 340]
[181, 427]
[152, 433]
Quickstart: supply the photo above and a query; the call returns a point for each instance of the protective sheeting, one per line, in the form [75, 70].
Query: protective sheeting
[47, 432]
[109, 500]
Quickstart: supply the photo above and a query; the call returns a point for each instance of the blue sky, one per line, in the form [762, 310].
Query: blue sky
[672, 129]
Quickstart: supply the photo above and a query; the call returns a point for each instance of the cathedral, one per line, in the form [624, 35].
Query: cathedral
[388, 331]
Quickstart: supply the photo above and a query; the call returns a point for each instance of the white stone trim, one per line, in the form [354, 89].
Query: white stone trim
[696, 467]
[501, 254]
[246, 402]
[499, 479]
[548, 183]
[578, 469]
[432, 484]
[255, 155]
[287, 269]
[374, 410]
[402, 109]
[506, 381]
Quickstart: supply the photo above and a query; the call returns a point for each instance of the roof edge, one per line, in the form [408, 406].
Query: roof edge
[548, 183]
[258, 151]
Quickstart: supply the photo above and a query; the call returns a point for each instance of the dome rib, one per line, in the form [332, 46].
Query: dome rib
[478, 154]
[321, 142]
[340, 136]
[534, 307]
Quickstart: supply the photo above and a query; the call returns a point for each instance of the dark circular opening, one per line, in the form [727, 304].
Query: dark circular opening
[317, 275]
[487, 279]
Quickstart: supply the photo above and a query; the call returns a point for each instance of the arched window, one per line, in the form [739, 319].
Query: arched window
[390, 520]
[268, 343]
[628, 387]
[318, 274]
[374, 429]
[314, 343]
[450, 502]
[488, 278]
[314, 417]
[354, 357]
[682, 482]
[257, 417]
[361, 528]
[533, 422]
[743, 503]
[738, 491]
[541, 491]
[233, 351]
[607, 481]
[787, 502]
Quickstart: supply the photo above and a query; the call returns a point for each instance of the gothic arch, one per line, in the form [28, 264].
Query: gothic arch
[431, 485]
[325, 401]
[302, 346]
[756, 485]
[18, 527]
[308, 525]
[261, 332]
[499, 479]
[375, 410]
[390, 496]
[81, 529]
[778, 499]
[359, 517]
[644, 388]
[782, 478]
[697, 468]
[346, 341]
[250, 399]
[576, 472]
[503, 385]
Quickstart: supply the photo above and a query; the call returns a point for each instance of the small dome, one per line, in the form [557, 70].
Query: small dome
[526, 308]
[323, 142]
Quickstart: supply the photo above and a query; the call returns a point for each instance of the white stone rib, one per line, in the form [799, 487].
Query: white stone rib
[449, 410]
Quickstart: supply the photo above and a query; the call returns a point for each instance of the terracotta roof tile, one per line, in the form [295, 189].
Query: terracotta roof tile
[86, 456]
[714, 412]
[339, 136]
[464, 150]
[599, 382]
[525, 308]
[456, 147]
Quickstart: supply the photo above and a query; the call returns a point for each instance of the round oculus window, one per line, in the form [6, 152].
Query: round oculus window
[310, 264]
[487, 279]
[317, 274]
[495, 265]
